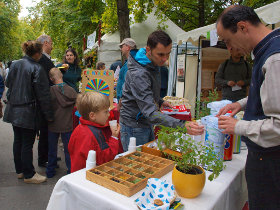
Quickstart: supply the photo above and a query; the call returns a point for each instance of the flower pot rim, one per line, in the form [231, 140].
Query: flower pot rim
[199, 167]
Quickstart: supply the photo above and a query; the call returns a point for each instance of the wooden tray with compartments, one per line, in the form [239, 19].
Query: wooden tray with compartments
[128, 175]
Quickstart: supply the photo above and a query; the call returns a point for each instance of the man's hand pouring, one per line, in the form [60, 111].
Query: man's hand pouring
[227, 123]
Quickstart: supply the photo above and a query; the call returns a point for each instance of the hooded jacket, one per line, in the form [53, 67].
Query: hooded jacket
[28, 95]
[63, 99]
[141, 95]
[122, 75]
[83, 140]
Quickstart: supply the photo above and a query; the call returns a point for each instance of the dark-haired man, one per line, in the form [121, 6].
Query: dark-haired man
[241, 28]
[141, 93]
[234, 76]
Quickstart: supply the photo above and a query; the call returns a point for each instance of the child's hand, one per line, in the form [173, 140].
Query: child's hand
[116, 130]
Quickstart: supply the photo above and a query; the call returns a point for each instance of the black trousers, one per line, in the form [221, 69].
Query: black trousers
[263, 180]
[43, 144]
[23, 153]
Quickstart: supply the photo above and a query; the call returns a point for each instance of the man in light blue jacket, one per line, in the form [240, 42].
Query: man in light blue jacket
[128, 47]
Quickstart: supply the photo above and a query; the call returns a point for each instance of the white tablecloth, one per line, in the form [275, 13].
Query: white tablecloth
[227, 192]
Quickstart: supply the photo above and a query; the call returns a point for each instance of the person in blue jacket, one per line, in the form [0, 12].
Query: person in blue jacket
[128, 47]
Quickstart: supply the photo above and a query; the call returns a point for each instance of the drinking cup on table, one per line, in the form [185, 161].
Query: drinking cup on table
[132, 144]
[91, 160]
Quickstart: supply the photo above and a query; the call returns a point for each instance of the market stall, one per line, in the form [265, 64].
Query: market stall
[202, 66]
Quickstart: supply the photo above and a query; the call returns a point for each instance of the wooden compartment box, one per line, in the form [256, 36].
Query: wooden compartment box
[128, 175]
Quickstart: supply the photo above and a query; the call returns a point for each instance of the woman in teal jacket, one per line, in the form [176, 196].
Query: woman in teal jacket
[73, 74]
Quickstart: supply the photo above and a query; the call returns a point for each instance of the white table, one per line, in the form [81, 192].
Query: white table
[227, 192]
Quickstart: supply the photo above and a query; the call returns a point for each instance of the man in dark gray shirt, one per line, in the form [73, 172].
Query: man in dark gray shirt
[234, 75]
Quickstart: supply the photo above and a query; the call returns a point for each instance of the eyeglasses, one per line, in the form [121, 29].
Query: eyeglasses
[122, 46]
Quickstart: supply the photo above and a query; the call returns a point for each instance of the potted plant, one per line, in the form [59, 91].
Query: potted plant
[188, 175]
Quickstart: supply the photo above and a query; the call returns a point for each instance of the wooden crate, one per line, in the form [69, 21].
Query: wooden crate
[120, 175]
[150, 150]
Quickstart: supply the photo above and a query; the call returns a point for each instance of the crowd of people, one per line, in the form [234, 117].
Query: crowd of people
[41, 97]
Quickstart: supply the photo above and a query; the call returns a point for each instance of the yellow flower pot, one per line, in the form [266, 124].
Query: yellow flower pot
[188, 185]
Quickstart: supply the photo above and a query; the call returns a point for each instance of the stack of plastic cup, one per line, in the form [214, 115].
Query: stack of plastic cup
[113, 124]
[91, 160]
[132, 144]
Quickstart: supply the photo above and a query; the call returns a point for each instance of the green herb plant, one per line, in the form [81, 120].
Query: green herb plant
[201, 109]
[193, 153]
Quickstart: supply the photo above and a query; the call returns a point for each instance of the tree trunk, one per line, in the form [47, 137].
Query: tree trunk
[123, 19]
[201, 18]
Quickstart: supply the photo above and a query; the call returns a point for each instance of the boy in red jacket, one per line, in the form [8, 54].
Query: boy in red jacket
[94, 132]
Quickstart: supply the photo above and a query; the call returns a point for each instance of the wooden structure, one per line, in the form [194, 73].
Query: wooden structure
[128, 175]
[99, 80]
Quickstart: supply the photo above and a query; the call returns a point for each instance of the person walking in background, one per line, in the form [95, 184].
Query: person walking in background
[115, 65]
[2, 87]
[47, 64]
[63, 100]
[28, 95]
[8, 68]
[2, 71]
[72, 74]
[234, 76]
[241, 28]
[128, 47]
[100, 66]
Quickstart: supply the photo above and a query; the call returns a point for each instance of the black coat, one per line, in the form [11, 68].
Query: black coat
[47, 64]
[28, 94]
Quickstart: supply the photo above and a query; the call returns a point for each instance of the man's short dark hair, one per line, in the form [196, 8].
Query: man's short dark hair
[158, 36]
[234, 14]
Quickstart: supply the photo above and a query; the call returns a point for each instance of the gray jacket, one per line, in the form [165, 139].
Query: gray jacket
[141, 96]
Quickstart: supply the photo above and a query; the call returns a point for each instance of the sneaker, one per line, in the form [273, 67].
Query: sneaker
[20, 176]
[36, 179]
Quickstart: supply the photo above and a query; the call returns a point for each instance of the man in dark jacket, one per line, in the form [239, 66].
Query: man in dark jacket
[47, 64]
[234, 76]
[141, 93]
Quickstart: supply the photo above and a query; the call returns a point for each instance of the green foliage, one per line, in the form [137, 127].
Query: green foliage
[193, 153]
[9, 40]
[68, 21]
[201, 109]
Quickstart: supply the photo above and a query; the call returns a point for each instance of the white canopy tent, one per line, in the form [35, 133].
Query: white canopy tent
[270, 16]
[109, 51]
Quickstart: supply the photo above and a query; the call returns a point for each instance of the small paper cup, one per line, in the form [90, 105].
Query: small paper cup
[113, 124]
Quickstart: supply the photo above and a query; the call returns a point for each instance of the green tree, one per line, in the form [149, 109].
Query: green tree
[9, 42]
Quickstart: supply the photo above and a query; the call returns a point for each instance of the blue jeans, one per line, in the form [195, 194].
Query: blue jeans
[142, 135]
[52, 153]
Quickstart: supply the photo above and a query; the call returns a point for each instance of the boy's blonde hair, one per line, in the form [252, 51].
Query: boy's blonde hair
[91, 102]
[55, 74]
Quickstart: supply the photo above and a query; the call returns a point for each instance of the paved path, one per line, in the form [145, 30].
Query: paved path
[14, 193]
